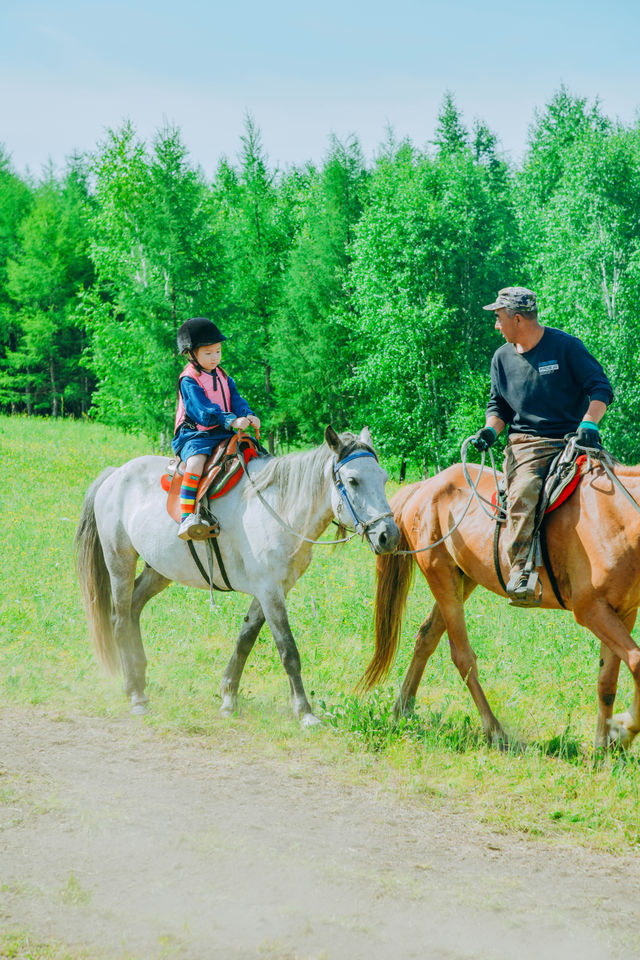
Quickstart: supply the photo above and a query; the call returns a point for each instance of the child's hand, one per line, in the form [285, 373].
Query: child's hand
[240, 423]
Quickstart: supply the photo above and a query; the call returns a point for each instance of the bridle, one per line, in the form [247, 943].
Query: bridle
[359, 526]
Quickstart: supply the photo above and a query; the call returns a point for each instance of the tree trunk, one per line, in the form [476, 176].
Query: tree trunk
[54, 395]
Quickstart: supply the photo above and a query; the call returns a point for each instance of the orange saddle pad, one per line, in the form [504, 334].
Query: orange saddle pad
[221, 473]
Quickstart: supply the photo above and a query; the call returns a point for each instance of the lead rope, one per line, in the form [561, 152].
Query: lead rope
[474, 493]
[269, 508]
[607, 465]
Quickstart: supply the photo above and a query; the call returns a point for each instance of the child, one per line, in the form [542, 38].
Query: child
[209, 409]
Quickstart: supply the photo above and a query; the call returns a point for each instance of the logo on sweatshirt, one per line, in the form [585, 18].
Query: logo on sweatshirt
[548, 366]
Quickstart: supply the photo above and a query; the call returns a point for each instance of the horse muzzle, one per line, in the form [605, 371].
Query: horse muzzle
[383, 534]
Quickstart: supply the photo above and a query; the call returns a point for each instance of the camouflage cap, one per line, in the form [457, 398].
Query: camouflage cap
[514, 298]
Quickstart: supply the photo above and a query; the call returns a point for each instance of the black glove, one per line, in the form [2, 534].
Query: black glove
[588, 437]
[483, 439]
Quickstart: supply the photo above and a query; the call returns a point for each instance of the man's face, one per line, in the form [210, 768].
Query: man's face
[209, 356]
[508, 326]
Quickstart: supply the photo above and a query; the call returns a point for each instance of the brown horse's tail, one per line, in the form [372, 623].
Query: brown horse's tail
[94, 578]
[394, 576]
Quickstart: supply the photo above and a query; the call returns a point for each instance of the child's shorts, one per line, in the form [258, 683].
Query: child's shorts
[199, 442]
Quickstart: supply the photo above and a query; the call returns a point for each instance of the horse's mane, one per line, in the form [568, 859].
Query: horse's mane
[301, 478]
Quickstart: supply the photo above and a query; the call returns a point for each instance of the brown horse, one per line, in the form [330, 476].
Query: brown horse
[594, 548]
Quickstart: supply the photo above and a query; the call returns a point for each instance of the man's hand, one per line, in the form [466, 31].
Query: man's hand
[254, 421]
[483, 439]
[589, 436]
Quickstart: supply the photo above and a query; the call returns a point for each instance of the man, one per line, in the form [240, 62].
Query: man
[544, 384]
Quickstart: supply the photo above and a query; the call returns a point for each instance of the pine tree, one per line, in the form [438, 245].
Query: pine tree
[314, 350]
[44, 278]
[15, 202]
[255, 240]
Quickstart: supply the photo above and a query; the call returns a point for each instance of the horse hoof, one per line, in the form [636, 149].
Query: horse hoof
[309, 720]
[229, 706]
[499, 739]
[619, 733]
[139, 709]
[402, 710]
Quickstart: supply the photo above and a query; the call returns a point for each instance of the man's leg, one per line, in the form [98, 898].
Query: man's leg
[527, 461]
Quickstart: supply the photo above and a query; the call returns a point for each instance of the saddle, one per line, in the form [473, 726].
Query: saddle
[562, 479]
[222, 471]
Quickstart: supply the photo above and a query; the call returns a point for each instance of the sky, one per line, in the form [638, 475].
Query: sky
[69, 71]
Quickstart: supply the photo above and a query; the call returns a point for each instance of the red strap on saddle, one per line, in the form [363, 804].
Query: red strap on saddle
[571, 486]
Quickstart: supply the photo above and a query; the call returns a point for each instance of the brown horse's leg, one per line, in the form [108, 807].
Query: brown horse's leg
[449, 587]
[427, 639]
[607, 686]
[604, 622]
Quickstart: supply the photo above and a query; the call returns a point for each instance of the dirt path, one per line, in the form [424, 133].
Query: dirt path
[135, 846]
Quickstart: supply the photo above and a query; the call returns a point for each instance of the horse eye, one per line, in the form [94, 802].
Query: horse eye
[353, 481]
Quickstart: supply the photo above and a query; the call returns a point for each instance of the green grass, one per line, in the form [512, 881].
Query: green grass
[538, 668]
[21, 946]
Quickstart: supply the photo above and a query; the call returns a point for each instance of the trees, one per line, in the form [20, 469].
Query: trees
[49, 266]
[349, 293]
[586, 263]
[579, 202]
[437, 238]
[15, 201]
[255, 236]
[157, 258]
[313, 345]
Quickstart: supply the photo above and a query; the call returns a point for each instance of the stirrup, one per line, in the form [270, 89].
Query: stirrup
[204, 530]
[526, 593]
[197, 527]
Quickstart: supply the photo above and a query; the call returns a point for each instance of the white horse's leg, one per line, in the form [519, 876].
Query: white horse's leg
[121, 564]
[253, 623]
[147, 585]
[276, 616]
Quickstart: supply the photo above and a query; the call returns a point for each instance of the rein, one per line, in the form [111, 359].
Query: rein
[497, 513]
[360, 528]
[474, 493]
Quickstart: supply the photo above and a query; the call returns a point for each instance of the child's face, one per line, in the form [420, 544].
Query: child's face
[209, 356]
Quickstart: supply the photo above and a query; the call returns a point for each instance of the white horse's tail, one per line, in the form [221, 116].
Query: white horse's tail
[94, 578]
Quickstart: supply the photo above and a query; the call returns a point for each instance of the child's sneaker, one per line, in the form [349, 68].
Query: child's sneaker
[194, 528]
[188, 523]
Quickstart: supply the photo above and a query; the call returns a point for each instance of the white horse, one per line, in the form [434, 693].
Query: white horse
[124, 517]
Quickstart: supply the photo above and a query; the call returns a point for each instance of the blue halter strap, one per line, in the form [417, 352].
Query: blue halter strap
[358, 525]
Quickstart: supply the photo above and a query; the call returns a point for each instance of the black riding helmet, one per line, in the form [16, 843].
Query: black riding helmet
[198, 332]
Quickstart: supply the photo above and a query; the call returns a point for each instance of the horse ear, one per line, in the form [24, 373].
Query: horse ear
[365, 436]
[332, 439]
